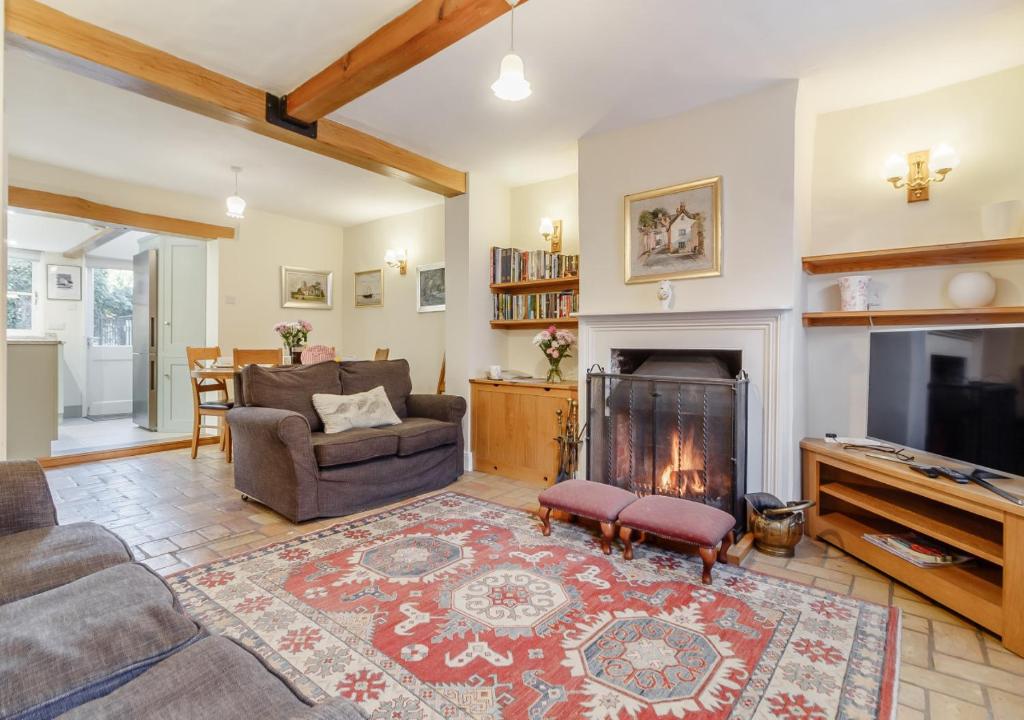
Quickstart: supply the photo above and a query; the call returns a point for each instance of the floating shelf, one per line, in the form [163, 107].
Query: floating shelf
[951, 254]
[538, 323]
[943, 316]
[530, 286]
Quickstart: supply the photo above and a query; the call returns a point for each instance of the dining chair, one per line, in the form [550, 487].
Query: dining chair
[205, 408]
[317, 354]
[382, 354]
[241, 358]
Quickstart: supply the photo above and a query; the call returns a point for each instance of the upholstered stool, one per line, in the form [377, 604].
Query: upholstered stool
[709, 528]
[584, 498]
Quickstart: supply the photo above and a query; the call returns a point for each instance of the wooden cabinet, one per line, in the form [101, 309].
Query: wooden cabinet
[858, 495]
[514, 426]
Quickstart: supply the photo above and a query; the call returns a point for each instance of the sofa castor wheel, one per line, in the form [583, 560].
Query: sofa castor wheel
[245, 498]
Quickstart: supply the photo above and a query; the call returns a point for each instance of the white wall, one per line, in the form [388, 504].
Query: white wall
[855, 209]
[248, 268]
[749, 141]
[415, 336]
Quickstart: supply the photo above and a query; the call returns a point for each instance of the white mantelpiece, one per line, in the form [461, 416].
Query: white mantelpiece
[763, 337]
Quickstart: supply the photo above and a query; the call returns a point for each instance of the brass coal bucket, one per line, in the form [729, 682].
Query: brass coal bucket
[777, 526]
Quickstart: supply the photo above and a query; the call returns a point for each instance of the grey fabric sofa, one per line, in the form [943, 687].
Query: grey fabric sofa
[285, 460]
[87, 633]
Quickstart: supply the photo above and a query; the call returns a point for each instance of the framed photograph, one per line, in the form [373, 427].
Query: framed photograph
[304, 288]
[63, 282]
[430, 287]
[369, 288]
[674, 232]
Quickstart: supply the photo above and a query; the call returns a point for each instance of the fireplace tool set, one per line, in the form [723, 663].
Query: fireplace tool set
[570, 437]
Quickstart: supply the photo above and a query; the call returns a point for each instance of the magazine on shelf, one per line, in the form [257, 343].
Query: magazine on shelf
[918, 549]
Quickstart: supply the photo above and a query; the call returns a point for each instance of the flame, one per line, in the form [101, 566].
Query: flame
[684, 473]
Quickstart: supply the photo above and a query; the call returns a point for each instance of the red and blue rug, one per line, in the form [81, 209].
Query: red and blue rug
[454, 607]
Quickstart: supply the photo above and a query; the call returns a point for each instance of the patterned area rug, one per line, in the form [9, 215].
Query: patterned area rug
[453, 607]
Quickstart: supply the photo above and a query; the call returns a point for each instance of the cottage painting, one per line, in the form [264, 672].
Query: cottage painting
[674, 232]
[301, 287]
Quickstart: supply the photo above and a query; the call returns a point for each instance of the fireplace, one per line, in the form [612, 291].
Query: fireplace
[671, 423]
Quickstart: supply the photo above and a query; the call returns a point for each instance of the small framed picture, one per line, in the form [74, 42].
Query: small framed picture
[63, 282]
[430, 287]
[304, 288]
[369, 288]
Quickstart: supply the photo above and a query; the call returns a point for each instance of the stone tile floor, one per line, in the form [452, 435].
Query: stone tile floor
[177, 512]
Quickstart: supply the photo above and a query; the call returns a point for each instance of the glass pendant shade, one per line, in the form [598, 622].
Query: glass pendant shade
[236, 207]
[511, 84]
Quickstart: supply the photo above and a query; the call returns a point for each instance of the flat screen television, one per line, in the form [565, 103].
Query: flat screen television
[957, 393]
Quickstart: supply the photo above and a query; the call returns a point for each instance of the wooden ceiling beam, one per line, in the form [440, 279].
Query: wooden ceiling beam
[69, 206]
[422, 31]
[94, 241]
[117, 60]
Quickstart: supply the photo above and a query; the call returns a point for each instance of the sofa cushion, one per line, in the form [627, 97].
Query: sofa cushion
[362, 375]
[353, 446]
[212, 678]
[419, 434]
[77, 642]
[361, 410]
[291, 388]
[34, 561]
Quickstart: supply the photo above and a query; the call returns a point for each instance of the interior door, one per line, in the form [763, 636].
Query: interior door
[181, 318]
[108, 385]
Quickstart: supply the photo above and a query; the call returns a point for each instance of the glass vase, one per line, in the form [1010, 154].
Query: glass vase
[554, 372]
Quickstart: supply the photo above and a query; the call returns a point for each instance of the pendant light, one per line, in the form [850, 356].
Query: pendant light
[235, 204]
[511, 84]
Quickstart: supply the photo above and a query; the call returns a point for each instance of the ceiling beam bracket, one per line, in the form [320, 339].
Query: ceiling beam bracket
[276, 115]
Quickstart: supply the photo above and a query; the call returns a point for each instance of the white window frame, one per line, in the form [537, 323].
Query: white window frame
[38, 292]
[89, 294]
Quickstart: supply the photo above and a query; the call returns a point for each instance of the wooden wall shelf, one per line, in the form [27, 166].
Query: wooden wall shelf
[538, 323]
[532, 286]
[942, 316]
[908, 257]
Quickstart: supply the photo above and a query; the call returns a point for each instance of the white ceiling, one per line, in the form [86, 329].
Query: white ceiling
[594, 65]
[45, 233]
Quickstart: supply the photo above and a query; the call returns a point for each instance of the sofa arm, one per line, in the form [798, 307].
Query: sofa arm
[25, 500]
[274, 461]
[449, 408]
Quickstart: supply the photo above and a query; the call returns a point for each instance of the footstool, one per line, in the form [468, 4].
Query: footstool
[709, 528]
[584, 498]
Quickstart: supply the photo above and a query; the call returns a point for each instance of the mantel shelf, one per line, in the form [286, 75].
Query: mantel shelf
[529, 286]
[943, 316]
[908, 257]
[539, 323]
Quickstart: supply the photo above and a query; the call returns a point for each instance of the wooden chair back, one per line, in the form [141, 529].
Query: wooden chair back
[241, 358]
[195, 356]
[382, 354]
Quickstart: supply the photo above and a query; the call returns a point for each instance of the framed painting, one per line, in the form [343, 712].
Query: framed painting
[63, 282]
[304, 288]
[430, 287]
[674, 232]
[369, 288]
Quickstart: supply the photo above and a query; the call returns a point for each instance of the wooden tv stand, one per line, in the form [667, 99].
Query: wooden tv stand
[857, 495]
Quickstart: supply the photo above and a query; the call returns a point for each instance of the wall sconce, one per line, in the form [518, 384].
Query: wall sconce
[397, 259]
[920, 169]
[552, 232]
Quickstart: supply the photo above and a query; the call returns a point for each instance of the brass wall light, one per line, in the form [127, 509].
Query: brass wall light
[397, 259]
[552, 232]
[918, 170]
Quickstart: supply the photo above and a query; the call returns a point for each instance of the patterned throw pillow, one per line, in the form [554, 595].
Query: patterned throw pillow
[360, 410]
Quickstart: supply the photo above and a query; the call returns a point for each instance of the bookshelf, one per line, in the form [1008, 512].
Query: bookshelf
[533, 282]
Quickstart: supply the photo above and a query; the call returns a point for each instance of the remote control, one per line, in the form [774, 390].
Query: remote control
[925, 470]
[954, 475]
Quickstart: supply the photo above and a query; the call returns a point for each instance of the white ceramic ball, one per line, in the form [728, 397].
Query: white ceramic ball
[972, 289]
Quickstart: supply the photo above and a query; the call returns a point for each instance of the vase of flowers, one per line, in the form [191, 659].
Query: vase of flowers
[294, 335]
[556, 345]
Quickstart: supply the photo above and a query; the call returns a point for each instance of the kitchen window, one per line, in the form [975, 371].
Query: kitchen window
[24, 281]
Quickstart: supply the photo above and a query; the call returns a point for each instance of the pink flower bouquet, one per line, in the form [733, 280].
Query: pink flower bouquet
[556, 345]
[294, 334]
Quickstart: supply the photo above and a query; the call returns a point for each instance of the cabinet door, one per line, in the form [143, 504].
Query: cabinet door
[181, 318]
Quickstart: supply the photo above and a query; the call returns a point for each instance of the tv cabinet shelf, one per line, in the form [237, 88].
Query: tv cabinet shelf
[940, 316]
[923, 256]
[858, 495]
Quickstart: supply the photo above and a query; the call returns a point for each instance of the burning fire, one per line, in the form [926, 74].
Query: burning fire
[684, 474]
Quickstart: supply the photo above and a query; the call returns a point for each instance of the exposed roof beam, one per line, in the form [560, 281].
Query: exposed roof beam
[94, 241]
[424, 30]
[49, 203]
[120, 61]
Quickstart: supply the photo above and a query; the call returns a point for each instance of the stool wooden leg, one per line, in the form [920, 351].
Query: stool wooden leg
[626, 535]
[545, 517]
[727, 542]
[607, 535]
[707, 554]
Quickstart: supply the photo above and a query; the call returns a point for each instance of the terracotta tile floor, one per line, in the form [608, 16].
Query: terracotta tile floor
[177, 512]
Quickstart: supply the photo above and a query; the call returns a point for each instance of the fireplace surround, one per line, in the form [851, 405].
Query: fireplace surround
[675, 423]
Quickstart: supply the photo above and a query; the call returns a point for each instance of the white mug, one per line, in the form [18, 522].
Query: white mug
[494, 372]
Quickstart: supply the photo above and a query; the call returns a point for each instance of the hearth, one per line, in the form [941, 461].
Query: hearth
[671, 423]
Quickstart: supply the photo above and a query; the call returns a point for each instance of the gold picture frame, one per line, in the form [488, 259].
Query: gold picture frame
[368, 288]
[658, 247]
